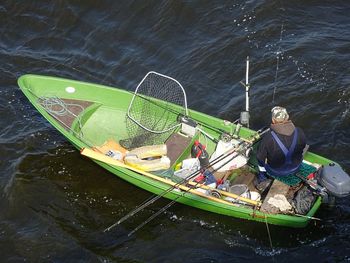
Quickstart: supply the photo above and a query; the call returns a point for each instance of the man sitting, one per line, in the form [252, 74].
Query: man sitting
[280, 151]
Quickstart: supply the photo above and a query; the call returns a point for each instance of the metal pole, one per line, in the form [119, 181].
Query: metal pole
[247, 86]
[244, 118]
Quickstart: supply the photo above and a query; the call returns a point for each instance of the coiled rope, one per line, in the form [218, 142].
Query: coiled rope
[57, 107]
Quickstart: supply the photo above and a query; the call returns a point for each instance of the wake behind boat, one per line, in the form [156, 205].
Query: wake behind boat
[152, 140]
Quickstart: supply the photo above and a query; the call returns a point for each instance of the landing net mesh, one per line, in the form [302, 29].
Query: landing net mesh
[151, 116]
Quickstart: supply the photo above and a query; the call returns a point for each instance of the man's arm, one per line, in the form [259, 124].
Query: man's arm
[261, 154]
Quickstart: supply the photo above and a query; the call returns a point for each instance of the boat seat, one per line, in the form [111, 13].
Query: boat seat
[178, 146]
[277, 187]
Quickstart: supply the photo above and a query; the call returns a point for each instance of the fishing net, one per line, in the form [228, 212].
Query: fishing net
[153, 111]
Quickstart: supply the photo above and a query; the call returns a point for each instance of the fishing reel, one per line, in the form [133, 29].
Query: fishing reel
[225, 137]
[247, 152]
[215, 193]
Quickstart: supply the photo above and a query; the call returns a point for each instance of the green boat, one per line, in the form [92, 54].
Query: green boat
[107, 124]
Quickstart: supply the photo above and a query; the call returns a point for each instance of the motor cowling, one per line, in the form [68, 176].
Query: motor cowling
[335, 180]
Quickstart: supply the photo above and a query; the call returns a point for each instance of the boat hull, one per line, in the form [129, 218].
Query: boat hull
[107, 101]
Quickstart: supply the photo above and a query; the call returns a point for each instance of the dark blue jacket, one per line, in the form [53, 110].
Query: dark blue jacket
[270, 154]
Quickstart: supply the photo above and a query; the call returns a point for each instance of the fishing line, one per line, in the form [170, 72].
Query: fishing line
[279, 52]
[269, 235]
[277, 66]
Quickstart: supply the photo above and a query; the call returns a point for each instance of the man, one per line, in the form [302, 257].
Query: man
[280, 152]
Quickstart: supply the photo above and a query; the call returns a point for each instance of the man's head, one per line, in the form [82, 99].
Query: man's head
[279, 114]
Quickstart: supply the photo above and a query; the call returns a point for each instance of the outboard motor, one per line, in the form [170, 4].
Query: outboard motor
[335, 180]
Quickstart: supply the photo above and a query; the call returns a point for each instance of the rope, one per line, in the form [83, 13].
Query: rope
[57, 107]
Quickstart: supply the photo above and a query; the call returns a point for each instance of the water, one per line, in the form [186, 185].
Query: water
[55, 204]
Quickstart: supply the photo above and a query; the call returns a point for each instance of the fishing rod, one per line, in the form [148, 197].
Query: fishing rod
[186, 119]
[189, 177]
[182, 118]
[164, 208]
[245, 116]
[221, 157]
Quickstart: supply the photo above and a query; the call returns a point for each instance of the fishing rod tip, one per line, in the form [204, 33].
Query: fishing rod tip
[106, 230]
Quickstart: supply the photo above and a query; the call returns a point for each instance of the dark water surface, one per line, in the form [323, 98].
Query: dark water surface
[54, 204]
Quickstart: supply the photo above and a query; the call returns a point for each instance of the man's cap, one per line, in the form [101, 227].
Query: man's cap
[279, 114]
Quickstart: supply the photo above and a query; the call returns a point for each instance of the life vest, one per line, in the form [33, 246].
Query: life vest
[148, 158]
[288, 167]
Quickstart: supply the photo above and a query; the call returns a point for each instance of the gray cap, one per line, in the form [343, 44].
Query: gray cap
[279, 114]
